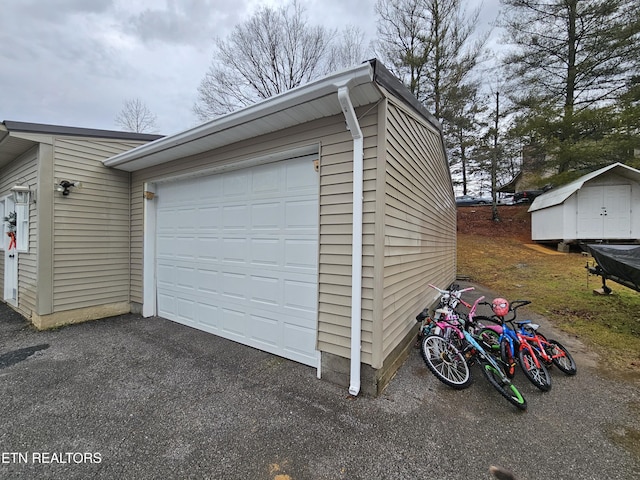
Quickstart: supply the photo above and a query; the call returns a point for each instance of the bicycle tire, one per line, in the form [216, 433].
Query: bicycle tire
[507, 358]
[537, 374]
[490, 339]
[508, 391]
[564, 362]
[445, 361]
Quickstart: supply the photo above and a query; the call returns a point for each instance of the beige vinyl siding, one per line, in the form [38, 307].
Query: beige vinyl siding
[336, 170]
[336, 217]
[419, 222]
[91, 225]
[24, 171]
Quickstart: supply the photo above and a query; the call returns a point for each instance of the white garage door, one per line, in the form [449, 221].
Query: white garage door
[237, 256]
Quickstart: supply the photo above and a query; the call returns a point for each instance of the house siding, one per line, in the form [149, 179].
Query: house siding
[419, 223]
[335, 222]
[91, 225]
[24, 171]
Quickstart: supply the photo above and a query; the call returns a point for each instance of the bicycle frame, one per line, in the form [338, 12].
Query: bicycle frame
[517, 341]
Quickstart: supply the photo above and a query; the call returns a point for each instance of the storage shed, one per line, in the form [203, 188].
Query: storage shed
[307, 225]
[65, 247]
[595, 207]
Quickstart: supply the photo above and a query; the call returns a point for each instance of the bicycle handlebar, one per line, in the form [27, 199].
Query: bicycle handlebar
[452, 291]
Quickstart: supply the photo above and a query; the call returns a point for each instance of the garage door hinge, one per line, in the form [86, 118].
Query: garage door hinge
[316, 165]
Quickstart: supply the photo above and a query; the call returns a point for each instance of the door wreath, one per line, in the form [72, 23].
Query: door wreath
[11, 221]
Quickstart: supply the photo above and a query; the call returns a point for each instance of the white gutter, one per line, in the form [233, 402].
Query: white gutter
[356, 250]
[160, 151]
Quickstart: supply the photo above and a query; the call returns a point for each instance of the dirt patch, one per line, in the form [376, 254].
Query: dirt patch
[514, 222]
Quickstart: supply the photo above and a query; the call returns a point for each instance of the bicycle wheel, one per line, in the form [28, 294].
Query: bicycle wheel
[507, 357]
[561, 357]
[537, 374]
[490, 339]
[506, 389]
[446, 362]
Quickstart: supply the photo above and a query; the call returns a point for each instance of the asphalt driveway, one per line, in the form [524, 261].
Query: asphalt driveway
[135, 398]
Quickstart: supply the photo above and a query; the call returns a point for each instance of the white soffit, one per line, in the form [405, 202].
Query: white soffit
[299, 105]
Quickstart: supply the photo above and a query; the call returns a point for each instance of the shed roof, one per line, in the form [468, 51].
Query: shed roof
[18, 137]
[305, 103]
[559, 195]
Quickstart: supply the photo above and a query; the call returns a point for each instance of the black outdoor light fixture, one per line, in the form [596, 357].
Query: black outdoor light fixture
[65, 185]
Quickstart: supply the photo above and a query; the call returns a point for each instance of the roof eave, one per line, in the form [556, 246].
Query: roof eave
[143, 156]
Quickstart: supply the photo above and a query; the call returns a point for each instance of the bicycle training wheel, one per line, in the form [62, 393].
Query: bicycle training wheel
[537, 374]
[506, 389]
[446, 362]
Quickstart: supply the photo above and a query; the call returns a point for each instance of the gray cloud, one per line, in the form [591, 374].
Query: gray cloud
[185, 22]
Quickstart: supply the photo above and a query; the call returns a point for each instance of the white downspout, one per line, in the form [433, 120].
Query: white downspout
[356, 250]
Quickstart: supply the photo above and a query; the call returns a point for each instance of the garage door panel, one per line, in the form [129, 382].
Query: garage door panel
[301, 254]
[265, 331]
[209, 219]
[236, 184]
[234, 250]
[186, 309]
[242, 262]
[299, 215]
[208, 281]
[208, 317]
[208, 248]
[233, 323]
[265, 251]
[300, 296]
[266, 179]
[235, 218]
[265, 290]
[300, 176]
[266, 216]
[234, 285]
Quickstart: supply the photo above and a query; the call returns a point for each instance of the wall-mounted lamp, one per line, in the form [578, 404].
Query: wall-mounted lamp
[21, 194]
[65, 185]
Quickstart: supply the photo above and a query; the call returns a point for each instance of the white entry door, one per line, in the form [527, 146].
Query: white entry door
[604, 212]
[10, 260]
[237, 256]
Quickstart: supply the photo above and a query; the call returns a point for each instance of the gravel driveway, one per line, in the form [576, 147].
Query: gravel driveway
[136, 398]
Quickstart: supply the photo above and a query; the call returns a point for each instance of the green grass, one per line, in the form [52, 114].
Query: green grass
[561, 290]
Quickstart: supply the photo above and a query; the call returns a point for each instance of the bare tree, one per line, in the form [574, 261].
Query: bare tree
[430, 45]
[348, 49]
[273, 51]
[135, 116]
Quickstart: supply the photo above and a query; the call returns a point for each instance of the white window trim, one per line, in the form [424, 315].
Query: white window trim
[22, 225]
[22, 228]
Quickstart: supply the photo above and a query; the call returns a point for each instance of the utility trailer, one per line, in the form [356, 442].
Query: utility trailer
[619, 263]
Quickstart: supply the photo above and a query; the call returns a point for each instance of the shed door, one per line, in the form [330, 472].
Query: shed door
[604, 212]
[237, 256]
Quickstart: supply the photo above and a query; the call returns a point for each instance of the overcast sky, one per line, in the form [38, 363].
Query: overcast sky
[75, 62]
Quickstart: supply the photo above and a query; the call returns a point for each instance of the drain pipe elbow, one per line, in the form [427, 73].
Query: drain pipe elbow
[356, 251]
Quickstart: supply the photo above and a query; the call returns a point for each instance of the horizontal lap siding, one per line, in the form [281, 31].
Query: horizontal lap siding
[24, 171]
[336, 172]
[420, 223]
[336, 223]
[91, 259]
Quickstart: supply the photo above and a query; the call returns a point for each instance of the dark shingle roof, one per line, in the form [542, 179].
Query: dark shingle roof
[42, 128]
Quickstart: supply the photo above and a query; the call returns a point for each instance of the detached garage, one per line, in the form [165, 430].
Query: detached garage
[307, 225]
[597, 206]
